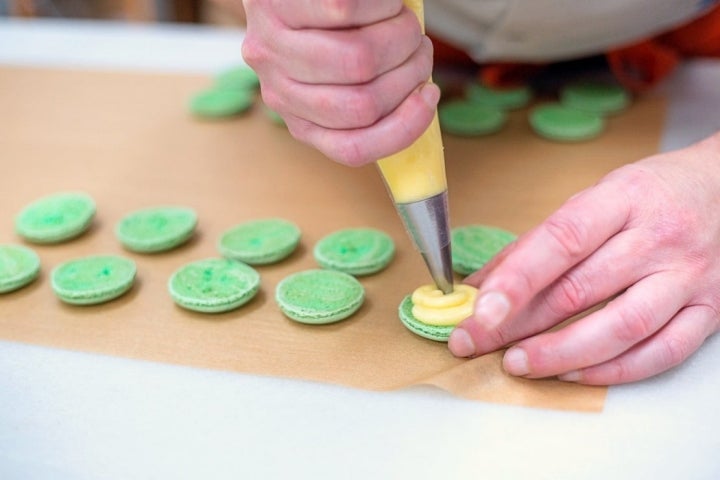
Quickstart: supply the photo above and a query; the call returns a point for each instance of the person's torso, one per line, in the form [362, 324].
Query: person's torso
[549, 30]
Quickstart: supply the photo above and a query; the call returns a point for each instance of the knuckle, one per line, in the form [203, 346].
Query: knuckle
[634, 324]
[617, 372]
[358, 62]
[501, 336]
[517, 287]
[340, 12]
[272, 99]
[347, 152]
[252, 51]
[570, 295]
[299, 130]
[673, 228]
[362, 108]
[569, 233]
[426, 60]
[673, 350]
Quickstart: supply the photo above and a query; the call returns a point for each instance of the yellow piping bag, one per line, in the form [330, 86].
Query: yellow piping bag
[415, 178]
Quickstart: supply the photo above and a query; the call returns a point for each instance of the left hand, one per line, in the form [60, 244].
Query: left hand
[646, 238]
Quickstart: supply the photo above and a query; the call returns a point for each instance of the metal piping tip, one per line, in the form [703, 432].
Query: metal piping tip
[427, 223]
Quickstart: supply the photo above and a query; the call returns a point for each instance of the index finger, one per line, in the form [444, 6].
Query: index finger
[582, 225]
[333, 14]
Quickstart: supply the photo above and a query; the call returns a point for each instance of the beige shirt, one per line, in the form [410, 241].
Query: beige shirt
[546, 30]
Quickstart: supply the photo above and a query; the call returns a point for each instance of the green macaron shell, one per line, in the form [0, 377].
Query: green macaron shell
[260, 242]
[319, 296]
[474, 245]
[439, 333]
[156, 229]
[18, 267]
[503, 98]
[274, 117]
[602, 98]
[56, 218]
[221, 102]
[238, 78]
[560, 123]
[464, 118]
[214, 285]
[357, 251]
[94, 279]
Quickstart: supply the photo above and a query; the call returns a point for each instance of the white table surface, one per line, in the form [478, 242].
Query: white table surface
[71, 415]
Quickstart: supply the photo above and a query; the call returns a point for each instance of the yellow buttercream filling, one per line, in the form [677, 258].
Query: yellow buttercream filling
[432, 306]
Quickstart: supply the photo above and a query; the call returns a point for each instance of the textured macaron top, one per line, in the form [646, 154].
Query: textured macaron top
[156, 229]
[357, 251]
[93, 279]
[19, 266]
[213, 285]
[56, 218]
[319, 296]
[260, 242]
[474, 245]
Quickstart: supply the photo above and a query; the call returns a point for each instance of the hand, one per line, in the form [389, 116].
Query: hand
[348, 76]
[646, 238]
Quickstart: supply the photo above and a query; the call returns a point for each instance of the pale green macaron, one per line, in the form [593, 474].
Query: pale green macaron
[475, 245]
[221, 102]
[156, 229]
[56, 218]
[274, 117]
[465, 118]
[602, 98]
[94, 279]
[214, 285]
[319, 296]
[557, 122]
[19, 266]
[357, 251]
[238, 78]
[439, 333]
[509, 98]
[260, 242]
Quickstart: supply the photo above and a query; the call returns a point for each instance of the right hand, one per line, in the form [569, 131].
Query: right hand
[348, 76]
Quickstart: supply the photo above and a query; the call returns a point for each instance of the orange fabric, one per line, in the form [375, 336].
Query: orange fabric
[494, 75]
[641, 66]
[447, 54]
[700, 38]
[508, 74]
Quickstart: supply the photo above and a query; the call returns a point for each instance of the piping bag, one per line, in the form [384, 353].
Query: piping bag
[415, 178]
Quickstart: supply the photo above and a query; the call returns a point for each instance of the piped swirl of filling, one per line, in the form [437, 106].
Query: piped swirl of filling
[433, 307]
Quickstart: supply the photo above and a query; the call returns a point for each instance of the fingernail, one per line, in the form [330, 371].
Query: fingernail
[491, 309]
[461, 343]
[430, 94]
[515, 362]
[573, 376]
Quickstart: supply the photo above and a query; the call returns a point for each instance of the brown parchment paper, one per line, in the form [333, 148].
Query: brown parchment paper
[127, 139]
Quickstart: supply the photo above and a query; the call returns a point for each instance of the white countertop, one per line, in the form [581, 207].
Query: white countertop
[71, 415]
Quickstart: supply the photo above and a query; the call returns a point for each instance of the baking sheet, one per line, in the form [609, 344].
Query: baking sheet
[127, 139]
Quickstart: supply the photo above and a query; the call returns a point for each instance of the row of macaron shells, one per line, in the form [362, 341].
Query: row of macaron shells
[578, 114]
[220, 284]
[209, 285]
